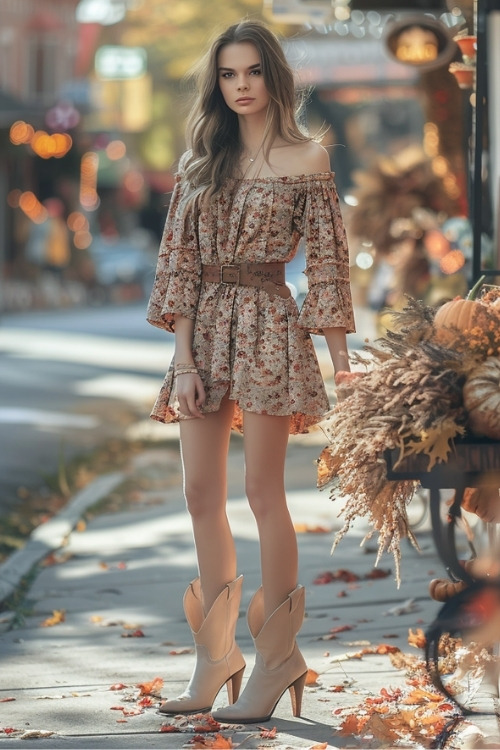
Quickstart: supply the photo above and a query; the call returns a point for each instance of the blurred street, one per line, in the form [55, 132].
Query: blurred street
[69, 380]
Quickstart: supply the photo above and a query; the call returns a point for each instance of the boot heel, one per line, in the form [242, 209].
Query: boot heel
[296, 690]
[233, 686]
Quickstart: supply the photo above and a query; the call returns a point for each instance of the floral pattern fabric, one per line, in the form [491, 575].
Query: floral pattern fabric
[255, 346]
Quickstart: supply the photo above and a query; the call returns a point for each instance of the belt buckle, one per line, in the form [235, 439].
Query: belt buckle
[230, 273]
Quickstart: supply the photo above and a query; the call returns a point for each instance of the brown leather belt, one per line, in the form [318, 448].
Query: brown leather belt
[268, 276]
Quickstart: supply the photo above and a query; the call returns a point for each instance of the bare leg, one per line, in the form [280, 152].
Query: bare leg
[204, 448]
[266, 439]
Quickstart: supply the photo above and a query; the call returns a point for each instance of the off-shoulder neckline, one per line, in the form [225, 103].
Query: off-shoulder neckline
[287, 178]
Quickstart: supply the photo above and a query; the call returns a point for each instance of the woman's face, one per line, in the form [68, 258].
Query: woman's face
[240, 78]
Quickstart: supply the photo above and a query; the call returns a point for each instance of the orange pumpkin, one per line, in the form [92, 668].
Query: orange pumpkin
[460, 315]
[481, 394]
[442, 589]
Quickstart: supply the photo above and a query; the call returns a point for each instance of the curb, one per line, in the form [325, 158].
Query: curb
[52, 535]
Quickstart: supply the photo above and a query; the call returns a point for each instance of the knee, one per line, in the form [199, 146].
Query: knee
[261, 498]
[202, 500]
[196, 500]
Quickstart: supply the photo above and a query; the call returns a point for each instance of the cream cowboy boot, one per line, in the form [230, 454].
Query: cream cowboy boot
[219, 660]
[279, 665]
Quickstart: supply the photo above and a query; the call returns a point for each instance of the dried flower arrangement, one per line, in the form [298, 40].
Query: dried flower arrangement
[410, 397]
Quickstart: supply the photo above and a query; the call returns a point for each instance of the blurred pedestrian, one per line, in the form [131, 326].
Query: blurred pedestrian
[49, 244]
[250, 185]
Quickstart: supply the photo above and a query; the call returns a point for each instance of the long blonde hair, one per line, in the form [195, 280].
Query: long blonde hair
[212, 127]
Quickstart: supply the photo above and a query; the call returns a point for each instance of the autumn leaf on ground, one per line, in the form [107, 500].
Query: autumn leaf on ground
[153, 687]
[329, 576]
[311, 677]
[342, 628]
[10, 730]
[134, 634]
[170, 728]
[352, 725]
[6, 700]
[417, 638]
[386, 648]
[146, 702]
[319, 746]
[268, 734]
[118, 686]
[181, 651]
[219, 741]
[422, 696]
[376, 573]
[305, 528]
[58, 616]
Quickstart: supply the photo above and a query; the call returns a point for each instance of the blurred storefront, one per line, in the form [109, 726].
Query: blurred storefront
[91, 122]
[387, 78]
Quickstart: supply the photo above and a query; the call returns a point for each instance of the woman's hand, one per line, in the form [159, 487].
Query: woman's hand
[344, 377]
[191, 395]
[344, 381]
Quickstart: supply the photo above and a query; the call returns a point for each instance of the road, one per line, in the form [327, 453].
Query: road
[68, 380]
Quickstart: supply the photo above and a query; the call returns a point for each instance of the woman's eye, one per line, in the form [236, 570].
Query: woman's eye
[227, 75]
[256, 72]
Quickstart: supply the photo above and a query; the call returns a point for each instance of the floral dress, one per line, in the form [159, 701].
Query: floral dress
[253, 346]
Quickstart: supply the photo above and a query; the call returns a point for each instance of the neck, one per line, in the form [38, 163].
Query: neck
[252, 133]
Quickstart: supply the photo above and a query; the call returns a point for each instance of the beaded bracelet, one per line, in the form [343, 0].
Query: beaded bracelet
[185, 369]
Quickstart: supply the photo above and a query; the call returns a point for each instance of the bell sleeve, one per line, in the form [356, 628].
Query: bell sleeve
[178, 272]
[328, 302]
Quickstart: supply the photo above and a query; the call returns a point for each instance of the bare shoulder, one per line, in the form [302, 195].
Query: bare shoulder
[314, 158]
[308, 157]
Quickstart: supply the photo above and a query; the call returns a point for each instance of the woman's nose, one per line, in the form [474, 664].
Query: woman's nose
[242, 85]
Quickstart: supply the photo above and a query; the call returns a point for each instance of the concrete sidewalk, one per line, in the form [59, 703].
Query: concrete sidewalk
[103, 615]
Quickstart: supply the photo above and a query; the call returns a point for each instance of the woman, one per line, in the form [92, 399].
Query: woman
[249, 187]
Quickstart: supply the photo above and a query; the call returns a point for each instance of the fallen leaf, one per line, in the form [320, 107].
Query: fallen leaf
[146, 702]
[169, 728]
[118, 686]
[385, 648]
[219, 741]
[342, 628]
[319, 746]
[352, 725]
[312, 677]
[181, 651]
[377, 573]
[6, 700]
[135, 634]
[417, 638]
[153, 687]
[305, 528]
[347, 576]
[58, 616]
[268, 734]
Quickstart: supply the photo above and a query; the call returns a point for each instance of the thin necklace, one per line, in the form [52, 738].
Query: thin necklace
[251, 159]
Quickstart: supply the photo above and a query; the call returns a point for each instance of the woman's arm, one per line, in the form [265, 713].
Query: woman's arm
[337, 346]
[190, 390]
